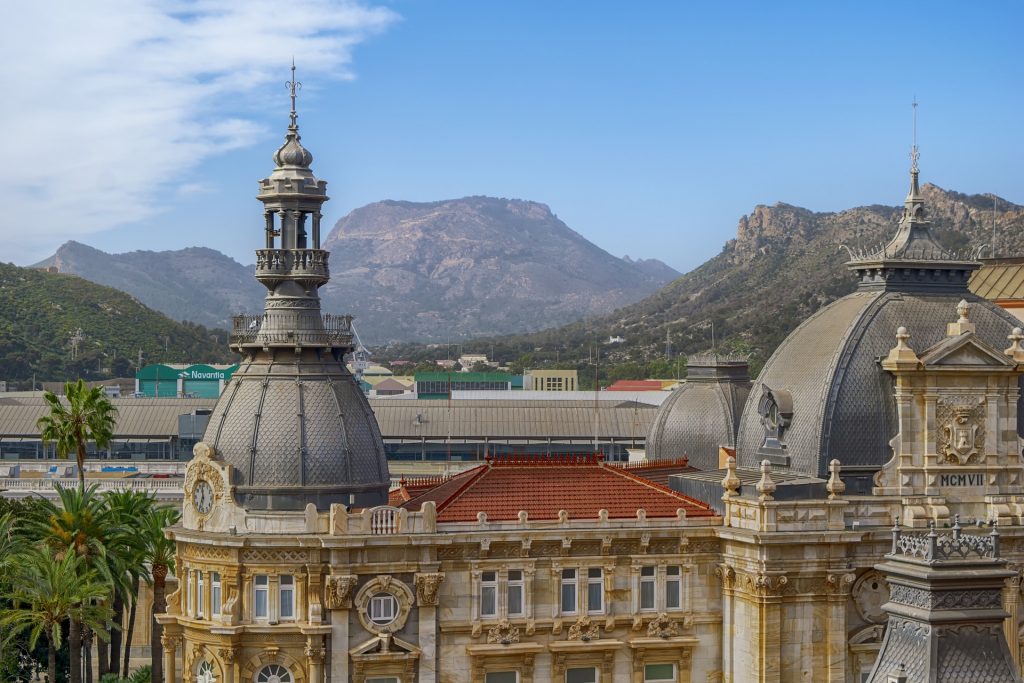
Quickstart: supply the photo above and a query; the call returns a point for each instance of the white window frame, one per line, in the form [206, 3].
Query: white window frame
[378, 600]
[650, 579]
[673, 679]
[489, 585]
[215, 594]
[574, 582]
[677, 579]
[519, 585]
[595, 581]
[200, 595]
[286, 586]
[258, 588]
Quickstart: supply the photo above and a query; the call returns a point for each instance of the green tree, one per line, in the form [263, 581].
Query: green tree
[127, 507]
[88, 416]
[160, 557]
[47, 590]
[81, 525]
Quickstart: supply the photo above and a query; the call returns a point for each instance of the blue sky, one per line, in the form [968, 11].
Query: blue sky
[650, 128]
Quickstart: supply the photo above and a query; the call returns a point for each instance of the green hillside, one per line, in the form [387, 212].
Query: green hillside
[40, 312]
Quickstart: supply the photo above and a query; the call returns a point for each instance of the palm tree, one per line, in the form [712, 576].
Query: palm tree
[160, 556]
[128, 507]
[88, 416]
[84, 526]
[47, 590]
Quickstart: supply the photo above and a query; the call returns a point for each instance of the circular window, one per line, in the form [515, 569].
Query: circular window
[274, 673]
[204, 673]
[382, 608]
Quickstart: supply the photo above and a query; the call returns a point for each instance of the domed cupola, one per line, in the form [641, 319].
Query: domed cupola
[703, 413]
[292, 422]
[823, 394]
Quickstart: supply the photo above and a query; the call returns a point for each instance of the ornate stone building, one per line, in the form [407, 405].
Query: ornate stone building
[295, 565]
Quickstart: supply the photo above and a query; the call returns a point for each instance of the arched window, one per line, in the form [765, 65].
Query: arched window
[274, 673]
[204, 673]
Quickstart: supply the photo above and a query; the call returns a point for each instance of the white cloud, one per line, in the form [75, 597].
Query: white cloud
[110, 102]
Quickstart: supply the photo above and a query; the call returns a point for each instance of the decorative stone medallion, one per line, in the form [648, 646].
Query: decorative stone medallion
[961, 427]
[869, 593]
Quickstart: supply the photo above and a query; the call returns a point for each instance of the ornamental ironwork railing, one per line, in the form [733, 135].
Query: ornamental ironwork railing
[935, 547]
[337, 331]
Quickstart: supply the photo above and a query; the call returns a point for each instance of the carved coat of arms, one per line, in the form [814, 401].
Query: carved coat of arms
[961, 431]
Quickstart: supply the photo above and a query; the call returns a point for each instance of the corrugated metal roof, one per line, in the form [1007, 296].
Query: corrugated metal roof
[136, 417]
[424, 418]
[998, 282]
[408, 419]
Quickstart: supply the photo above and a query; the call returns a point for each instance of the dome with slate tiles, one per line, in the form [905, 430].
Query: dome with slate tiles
[823, 394]
[292, 422]
[702, 414]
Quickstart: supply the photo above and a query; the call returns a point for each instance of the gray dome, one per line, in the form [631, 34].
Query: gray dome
[702, 414]
[834, 399]
[299, 432]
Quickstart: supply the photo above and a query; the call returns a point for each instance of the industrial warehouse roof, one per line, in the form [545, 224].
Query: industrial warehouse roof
[999, 280]
[512, 418]
[398, 419]
[136, 417]
[505, 486]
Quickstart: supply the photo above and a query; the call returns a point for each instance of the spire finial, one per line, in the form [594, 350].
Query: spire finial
[914, 153]
[293, 88]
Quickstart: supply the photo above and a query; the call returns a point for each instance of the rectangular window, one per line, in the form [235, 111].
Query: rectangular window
[595, 590]
[502, 677]
[660, 673]
[488, 594]
[673, 588]
[200, 595]
[261, 585]
[515, 592]
[568, 591]
[581, 675]
[286, 594]
[215, 593]
[383, 608]
[647, 589]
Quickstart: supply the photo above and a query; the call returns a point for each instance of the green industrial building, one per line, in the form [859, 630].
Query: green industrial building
[177, 380]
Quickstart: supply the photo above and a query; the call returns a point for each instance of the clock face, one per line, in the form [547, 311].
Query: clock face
[202, 497]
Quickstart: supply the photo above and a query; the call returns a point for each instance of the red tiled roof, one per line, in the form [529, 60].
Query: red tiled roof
[581, 485]
[658, 471]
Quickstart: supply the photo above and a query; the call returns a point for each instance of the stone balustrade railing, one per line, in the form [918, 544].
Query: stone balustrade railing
[934, 547]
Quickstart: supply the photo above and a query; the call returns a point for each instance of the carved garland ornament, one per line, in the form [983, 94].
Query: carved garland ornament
[663, 627]
[503, 634]
[584, 629]
[961, 428]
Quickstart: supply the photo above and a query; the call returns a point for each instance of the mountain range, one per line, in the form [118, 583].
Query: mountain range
[785, 263]
[406, 270]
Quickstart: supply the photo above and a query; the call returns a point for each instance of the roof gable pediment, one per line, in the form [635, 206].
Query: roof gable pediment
[964, 350]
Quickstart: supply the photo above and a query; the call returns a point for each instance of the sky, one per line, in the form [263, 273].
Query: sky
[649, 127]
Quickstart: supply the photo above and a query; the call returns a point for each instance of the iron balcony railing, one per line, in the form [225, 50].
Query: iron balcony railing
[337, 331]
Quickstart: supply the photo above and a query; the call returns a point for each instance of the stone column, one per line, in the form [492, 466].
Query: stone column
[837, 589]
[227, 657]
[728, 577]
[428, 586]
[315, 658]
[170, 644]
[339, 646]
[1011, 603]
[768, 589]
